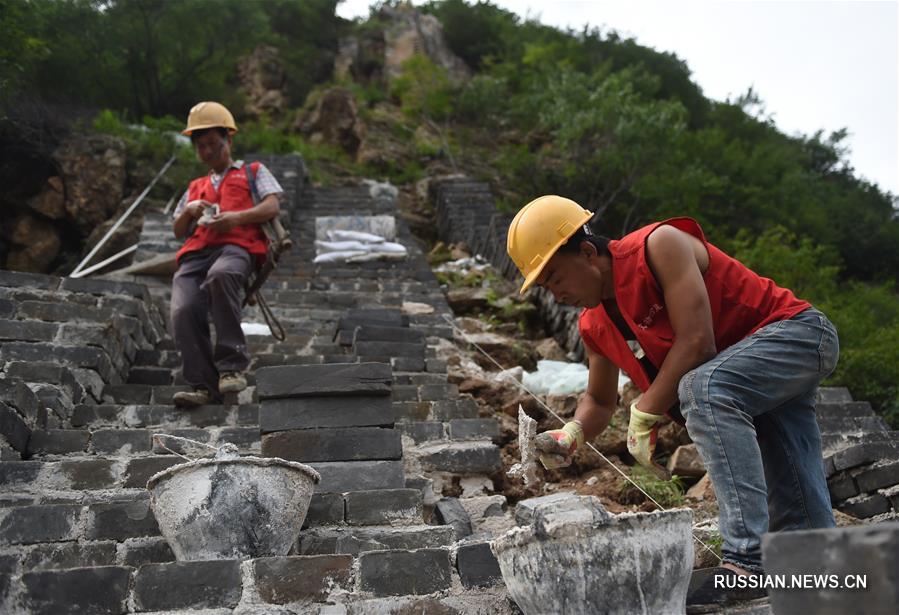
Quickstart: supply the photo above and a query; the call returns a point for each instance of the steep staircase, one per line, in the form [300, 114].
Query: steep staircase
[89, 378]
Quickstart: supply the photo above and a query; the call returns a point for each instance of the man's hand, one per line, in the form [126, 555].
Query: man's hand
[642, 433]
[195, 209]
[225, 221]
[557, 446]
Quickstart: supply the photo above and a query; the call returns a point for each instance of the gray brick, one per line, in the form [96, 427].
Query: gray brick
[837, 410]
[833, 395]
[423, 431]
[399, 573]
[375, 333]
[412, 410]
[16, 394]
[120, 520]
[355, 540]
[28, 330]
[316, 412]
[159, 446]
[150, 375]
[139, 551]
[17, 279]
[243, 437]
[385, 350]
[104, 287]
[474, 429]
[7, 308]
[128, 393]
[438, 392]
[281, 580]
[864, 506]
[403, 364]
[58, 441]
[381, 318]
[350, 444]
[462, 408]
[468, 458]
[188, 585]
[384, 507]
[31, 524]
[449, 511]
[342, 476]
[139, 470]
[436, 366]
[69, 555]
[325, 509]
[864, 453]
[879, 475]
[841, 486]
[868, 550]
[319, 380]
[99, 591]
[18, 474]
[88, 474]
[14, 428]
[477, 565]
[85, 415]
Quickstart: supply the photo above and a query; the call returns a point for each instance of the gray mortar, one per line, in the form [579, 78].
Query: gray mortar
[232, 507]
[577, 558]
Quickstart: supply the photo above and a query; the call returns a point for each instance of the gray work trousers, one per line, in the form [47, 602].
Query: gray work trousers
[210, 280]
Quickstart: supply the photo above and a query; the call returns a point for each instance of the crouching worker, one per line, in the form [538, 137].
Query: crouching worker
[732, 354]
[224, 243]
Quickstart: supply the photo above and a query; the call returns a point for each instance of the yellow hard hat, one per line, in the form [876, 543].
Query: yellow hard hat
[209, 115]
[539, 229]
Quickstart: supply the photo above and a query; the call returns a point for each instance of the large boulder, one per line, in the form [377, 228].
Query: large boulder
[51, 200]
[334, 120]
[93, 172]
[35, 245]
[410, 33]
[262, 78]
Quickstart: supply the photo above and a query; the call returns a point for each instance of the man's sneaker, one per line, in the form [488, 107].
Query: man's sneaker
[721, 586]
[232, 382]
[192, 399]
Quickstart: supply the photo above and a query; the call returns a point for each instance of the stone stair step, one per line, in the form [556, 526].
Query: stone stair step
[318, 380]
[342, 476]
[864, 452]
[847, 409]
[355, 540]
[834, 442]
[852, 425]
[473, 457]
[833, 395]
[337, 444]
[319, 412]
[164, 416]
[150, 375]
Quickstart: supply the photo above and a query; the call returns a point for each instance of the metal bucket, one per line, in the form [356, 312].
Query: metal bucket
[231, 507]
[628, 564]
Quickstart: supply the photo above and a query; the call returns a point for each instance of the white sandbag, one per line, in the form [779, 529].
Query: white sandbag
[323, 247]
[338, 235]
[337, 257]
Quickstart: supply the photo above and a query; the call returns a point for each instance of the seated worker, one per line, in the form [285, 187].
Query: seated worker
[222, 248]
[741, 356]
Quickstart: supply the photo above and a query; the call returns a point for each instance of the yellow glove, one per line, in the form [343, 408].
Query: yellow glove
[642, 432]
[557, 446]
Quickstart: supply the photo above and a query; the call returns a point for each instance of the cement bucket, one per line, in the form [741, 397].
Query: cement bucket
[581, 561]
[232, 507]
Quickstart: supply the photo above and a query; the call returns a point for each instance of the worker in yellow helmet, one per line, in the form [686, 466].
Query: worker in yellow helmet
[735, 357]
[224, 242]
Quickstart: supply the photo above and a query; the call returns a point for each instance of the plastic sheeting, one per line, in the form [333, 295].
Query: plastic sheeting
[561, 378]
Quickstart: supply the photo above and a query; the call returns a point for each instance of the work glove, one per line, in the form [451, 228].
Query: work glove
[642, 433]
[558, 445]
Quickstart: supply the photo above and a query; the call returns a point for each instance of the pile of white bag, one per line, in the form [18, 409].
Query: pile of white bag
[356, 247]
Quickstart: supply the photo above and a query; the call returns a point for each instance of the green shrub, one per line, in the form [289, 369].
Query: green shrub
[668, 493]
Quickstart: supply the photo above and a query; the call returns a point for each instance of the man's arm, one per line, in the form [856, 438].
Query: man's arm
[673, 258]
[598, 403]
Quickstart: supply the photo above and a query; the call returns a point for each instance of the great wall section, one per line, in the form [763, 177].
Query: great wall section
[402, 518]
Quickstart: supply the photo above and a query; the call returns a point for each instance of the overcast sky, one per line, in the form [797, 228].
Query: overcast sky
[816, 65]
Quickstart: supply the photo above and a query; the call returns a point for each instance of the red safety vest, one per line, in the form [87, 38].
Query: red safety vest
[742, 302]
[233, 194]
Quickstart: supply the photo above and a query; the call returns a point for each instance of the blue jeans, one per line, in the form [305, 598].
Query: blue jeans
[751, 413]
